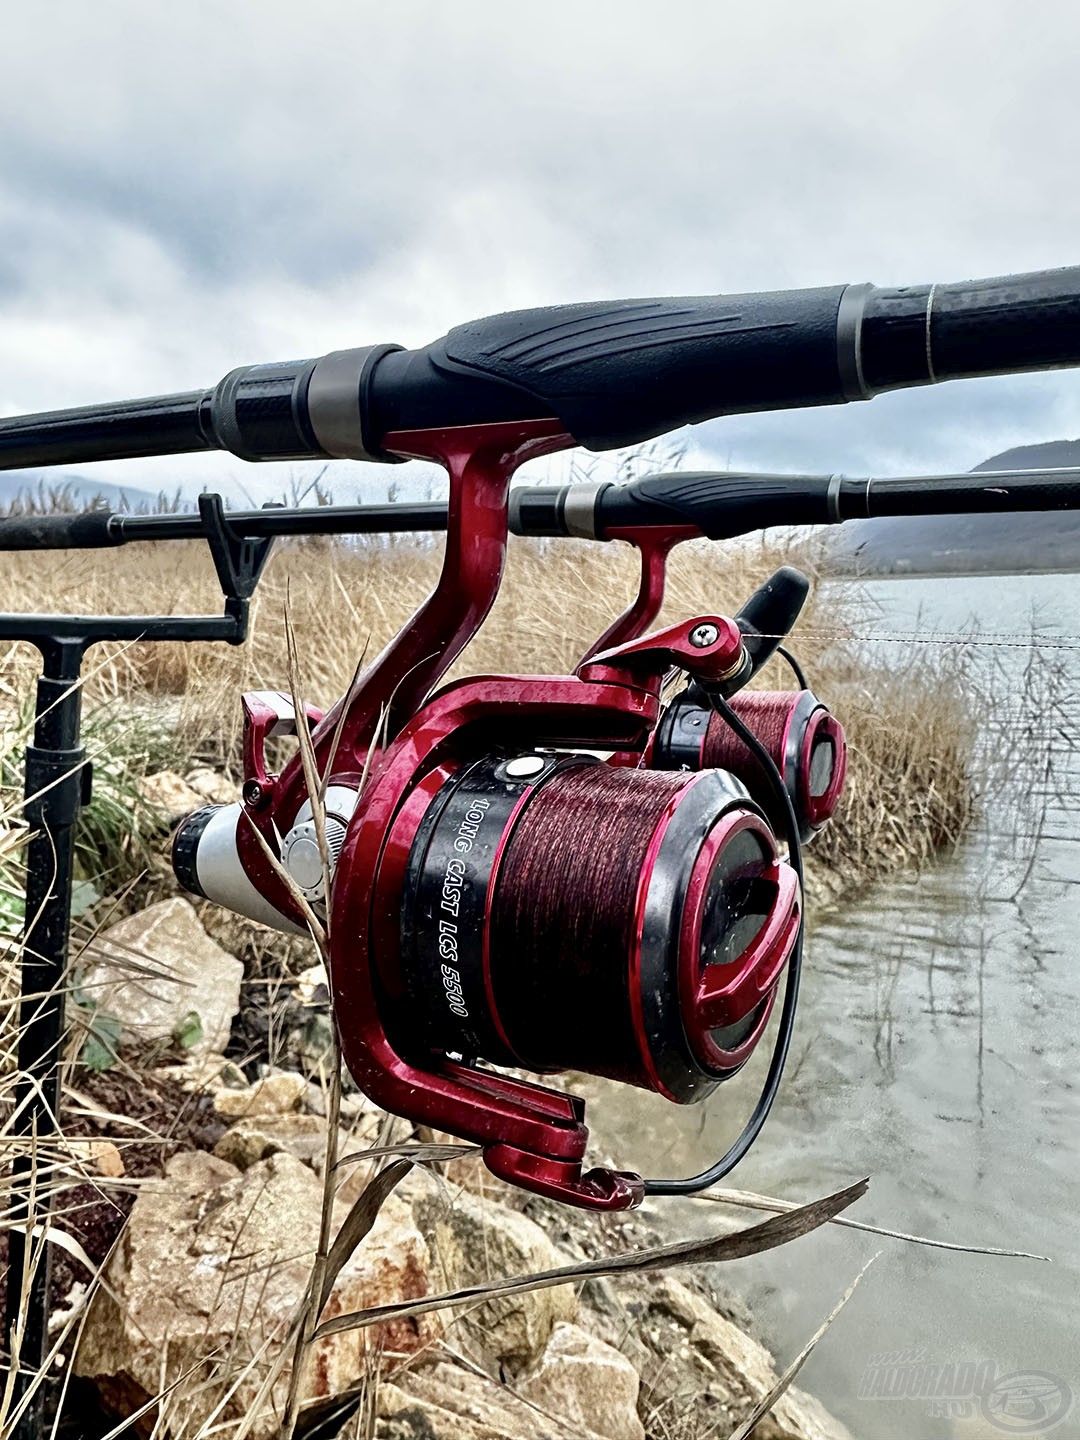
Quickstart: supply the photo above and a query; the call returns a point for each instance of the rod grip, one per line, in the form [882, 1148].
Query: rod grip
[618, 372]
[90, 530]
[718, 503]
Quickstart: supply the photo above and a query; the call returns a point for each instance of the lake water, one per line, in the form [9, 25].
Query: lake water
[938, 1052]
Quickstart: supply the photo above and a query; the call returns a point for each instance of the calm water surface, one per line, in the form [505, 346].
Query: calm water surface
[938, 1051]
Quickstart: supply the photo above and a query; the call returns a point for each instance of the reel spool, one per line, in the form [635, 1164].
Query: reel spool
[558, 913]
[803, 738]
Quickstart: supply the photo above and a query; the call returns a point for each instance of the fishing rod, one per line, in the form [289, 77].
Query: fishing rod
[718, 505]
[600, 374]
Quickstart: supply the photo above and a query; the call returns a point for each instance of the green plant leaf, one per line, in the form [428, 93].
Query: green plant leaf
[102, 1039]
[84, 895]
[189, 1031]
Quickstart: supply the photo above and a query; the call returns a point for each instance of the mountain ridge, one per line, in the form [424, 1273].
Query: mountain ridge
[1018, 542]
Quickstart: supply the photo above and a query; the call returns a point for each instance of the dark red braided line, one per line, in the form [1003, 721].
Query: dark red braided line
[766, 713]
[562, 924]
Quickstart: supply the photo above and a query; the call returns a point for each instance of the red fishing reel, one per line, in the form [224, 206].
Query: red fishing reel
[509, 888]
[803, 738]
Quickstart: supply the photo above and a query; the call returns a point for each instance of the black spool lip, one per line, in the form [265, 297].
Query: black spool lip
[818, 809]
[185, 848]
[681, 733]
[505, 798]
[797, 736]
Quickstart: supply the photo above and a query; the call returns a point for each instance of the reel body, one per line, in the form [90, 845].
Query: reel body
[514, 883]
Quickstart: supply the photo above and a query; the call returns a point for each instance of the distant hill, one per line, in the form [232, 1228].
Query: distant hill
[37, 488]
[966, 544]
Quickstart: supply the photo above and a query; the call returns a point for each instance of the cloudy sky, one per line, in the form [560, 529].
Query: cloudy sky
[187, 187]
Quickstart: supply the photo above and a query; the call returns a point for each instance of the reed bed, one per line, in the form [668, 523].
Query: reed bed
[908, 713]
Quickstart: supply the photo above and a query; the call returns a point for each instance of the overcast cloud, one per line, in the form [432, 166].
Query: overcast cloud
[188, 187]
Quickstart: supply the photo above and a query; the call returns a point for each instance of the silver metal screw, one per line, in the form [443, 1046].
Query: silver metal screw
[704, 635]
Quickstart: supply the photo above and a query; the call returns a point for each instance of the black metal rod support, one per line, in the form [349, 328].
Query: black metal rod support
[56, 784]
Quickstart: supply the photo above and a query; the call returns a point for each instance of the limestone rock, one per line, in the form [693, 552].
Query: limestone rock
[153, 971]
[100, 1156]
[255, 1137]
[212, 788]
[727, 1367]
[370, 1126]
[313, 986]
[445, 1403]
[473, 1240]
[170, 793]
[208, 1274]
[275, 1094]
[587, 1384]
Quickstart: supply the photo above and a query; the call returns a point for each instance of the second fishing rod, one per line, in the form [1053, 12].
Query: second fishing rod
[719, 505]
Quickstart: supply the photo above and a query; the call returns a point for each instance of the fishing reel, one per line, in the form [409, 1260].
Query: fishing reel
[527, 873]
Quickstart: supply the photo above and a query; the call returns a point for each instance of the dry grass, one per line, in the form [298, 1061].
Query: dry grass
[908, 717]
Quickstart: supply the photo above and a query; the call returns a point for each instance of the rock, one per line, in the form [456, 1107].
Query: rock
[368, 1126]
[445, 1403]
[207, 1276]
[313, 986]
[312, 1041]
[315, 1099]
[170, 794]
[275, 1094]
[152, 972]
[101, 1156]
[255, 1137]
[724, 1367]
[213, 788]
[473, 1240]
[586, 1383]
[72, 1305]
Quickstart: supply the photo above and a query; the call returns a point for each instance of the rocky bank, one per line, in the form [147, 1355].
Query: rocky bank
[203, 1281]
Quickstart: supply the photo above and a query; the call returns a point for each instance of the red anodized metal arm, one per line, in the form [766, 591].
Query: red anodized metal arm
[480, 460]
[653, 547]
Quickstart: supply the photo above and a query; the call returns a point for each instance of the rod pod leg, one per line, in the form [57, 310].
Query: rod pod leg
[56, 785]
